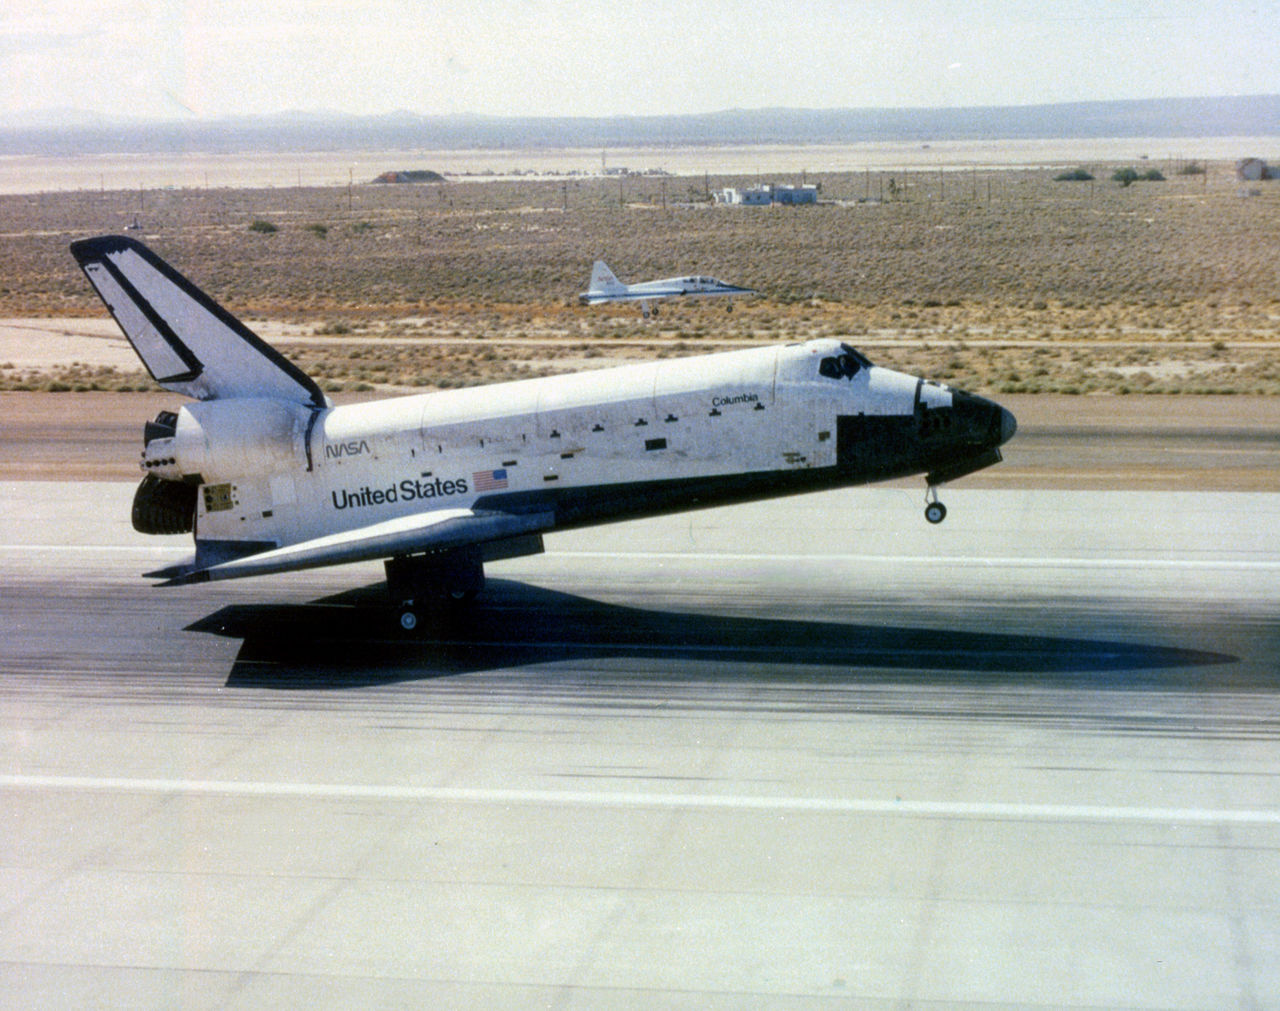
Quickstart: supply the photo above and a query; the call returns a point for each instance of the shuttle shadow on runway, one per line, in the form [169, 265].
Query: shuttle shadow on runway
[349, 641]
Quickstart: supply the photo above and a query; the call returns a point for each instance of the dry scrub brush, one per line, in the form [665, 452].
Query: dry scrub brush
[972, 257]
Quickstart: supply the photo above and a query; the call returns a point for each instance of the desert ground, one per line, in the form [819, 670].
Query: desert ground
[1002, 281]
[183, 169]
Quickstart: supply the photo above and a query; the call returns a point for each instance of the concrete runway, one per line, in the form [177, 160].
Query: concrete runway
[799, 754]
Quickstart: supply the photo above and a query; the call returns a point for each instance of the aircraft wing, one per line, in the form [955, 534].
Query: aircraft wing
[591, 298]
[653, 290]
[431, 531]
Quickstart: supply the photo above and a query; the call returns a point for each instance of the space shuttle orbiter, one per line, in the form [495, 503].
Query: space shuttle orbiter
[269, 476]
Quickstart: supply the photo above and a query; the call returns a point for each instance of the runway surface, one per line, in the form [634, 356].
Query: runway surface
[798, 754]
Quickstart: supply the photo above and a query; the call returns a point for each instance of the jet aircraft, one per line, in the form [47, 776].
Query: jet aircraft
[270, 477]
[605, 287]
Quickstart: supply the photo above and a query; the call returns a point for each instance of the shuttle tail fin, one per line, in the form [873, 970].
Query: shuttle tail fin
[189, 343]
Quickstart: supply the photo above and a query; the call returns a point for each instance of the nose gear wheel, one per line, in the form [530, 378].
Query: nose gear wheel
[934, 511]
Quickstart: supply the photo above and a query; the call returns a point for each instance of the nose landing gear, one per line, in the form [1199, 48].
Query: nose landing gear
[934, 511]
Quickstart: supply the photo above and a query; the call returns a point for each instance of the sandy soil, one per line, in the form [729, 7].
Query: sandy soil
[45, 344]
[999, 281]
[193, 170]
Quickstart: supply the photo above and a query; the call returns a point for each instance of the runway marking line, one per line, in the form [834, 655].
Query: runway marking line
[1012, 562]
[582, 798]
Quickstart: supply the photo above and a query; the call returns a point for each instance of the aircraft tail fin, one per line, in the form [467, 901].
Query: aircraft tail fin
[189, 343]
[603, 282]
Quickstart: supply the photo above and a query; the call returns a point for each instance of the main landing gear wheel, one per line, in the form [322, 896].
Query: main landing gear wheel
[426, 587]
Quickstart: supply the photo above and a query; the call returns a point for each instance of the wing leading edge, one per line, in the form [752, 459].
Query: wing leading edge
[406, 535]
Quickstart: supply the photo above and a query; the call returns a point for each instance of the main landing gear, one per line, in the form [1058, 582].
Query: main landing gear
[422, 585]
[934, 511]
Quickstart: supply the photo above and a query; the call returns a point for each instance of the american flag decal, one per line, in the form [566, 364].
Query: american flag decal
[490, 480]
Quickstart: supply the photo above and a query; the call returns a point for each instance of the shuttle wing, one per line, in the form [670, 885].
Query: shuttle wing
[406, 535]
[189, 343]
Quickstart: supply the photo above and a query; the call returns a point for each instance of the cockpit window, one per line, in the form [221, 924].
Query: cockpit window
[845, 365]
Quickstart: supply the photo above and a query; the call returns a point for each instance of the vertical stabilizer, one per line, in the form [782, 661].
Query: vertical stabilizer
[603, 282]
[189, 343]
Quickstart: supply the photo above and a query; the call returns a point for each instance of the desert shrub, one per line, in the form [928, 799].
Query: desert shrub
[318, 230]
[1152, 176]
[1125, 176]
[262, 227]
[486, 261]
[1077, 175]
[1192, 168]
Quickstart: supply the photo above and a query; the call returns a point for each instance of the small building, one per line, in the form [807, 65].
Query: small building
[795, 194]
[410, 176]
[1252, 170]
[764, 196]
[757, 196]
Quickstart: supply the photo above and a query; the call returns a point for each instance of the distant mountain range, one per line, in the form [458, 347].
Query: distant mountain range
[67, 132]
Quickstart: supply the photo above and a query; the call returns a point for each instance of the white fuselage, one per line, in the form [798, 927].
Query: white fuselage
[671, 287]
[271, 478]
[286, 475]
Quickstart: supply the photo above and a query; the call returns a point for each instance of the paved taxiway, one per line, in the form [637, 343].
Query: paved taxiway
[798, 754]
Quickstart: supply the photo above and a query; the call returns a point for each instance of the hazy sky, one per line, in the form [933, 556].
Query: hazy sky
[176, 58]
